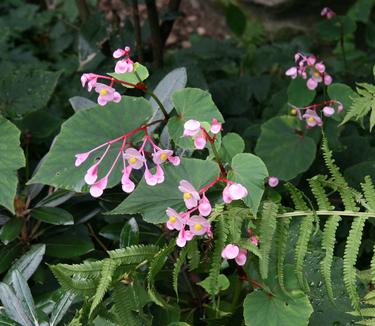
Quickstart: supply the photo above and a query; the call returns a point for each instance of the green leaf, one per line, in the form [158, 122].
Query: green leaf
[254, 182]
[25, 89]
[61, 307]
[52, 215]
[298, 93]
[86, 130]
[27, 263]
[139, 72]
[191, 103]
[111, 231]
[11, 230]
[236, 19]
[222, 284]
[152, 202]
[11, 159]
[8, 254]
[79, 103]
[231, 144]
[129, 234]
[285, 152]
[57, 198]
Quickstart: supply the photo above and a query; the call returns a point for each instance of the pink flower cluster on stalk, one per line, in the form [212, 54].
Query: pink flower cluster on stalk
[106, 92]
[310, 113]
[309, 68]
[197, 202]
[132, 159]
[328, 13]
[193, 128]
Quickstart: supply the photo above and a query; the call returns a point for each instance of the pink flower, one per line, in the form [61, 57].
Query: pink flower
[92, 174]
[90, 79]
[312, 83]
[292, 72]
[273, 182]
[234, 191]
[175, 160]
[327, 13]
[204, 206]
[175, 220]
[198, 225]
[159, 174]
[97, 188]
[254, 240]
[80, 158]
[191, 127]
[121, 52]
[134, 158]
[150, 179]
[106, 94]
[328, 111]
[127, 185]
[161, 156]
[191, 196]
[125, 65]
[215, 127]
[200, 141]
[327, 79]
[241, 258]
[230, 251]
[320, 67]
[312, 118]
[183, 236]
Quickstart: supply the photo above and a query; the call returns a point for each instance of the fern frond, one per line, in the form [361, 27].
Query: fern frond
[123, 298]
[213, 276]
[266, 233]
[320, 194]
[156, 265]
[350, 259]
[281, 238]
[84, 270]
[366, 322]
[177, 268]
[369, 192]
[343, 188]
[133, 254]
[234, 225]
[109, 267]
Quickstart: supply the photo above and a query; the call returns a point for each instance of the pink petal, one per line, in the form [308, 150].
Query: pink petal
[97, 188]
[226, 195]
[92, 174]
[292, 72]
[237, 191]
[328, 111]
[254, 240]
[216, 126]
[116, 97]
[311, 84]
[204, 206]
[80, 158]
[230, 251]
[101, 100]
[340, 108]
[320, 67]
[191, 127]
[241, 258]
[200, 141]
[175, 160]
[273, 182]
[118, 53]
[159, 174]
[151, 180]
[128, 186]
[327, 79]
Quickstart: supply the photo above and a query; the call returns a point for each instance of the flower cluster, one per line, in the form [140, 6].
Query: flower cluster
[197, 202]
[328, 13]
[132, 159]
[232, 251]
[310, 113]
[195, 129]
[309, 68]
[106, 92]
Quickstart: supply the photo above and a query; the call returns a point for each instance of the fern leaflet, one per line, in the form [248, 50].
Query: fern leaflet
[177, 268]
[123, 297]
[281, 243]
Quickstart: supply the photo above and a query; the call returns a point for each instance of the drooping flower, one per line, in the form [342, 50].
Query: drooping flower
[327, 13]
[191, 127]
[241, 257]
[121, 52]
[200, 141]
[254, 240]
[92, 174]
[234, 191]
[198, 225]
[134, 158]
[90, 79]
[312, 118]
[190, 194]
[80, 158]
[96, 190]
[162, 156]
[175, 220]
[106, 94]
[232, 251]
[216, 126]
[204, 206]
[127, 185]
[183, 237]
[273, 182]
[175, 160]
[292, 72]
[125, 65]
[328, 111]
[150, 179]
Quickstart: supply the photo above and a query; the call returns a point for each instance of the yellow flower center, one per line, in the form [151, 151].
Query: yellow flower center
[103, 92]
[198, 227]
[311, 119]
[132, 160]
[293, 111]
[163, 156]
[187, 195]
[316, 74]
[172, 219]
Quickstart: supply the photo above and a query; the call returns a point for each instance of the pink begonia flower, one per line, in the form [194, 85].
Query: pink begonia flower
[216, 126]
[175, 160]
[234, 191]
[204, 206]
[327, 79]
[96, 190]
[191, 127]
[200, 141]
[191, 195]
[162, 156]
[183, 236]
[273, 182]
[134, 158]
[230, 251]
[327, 13]
[312, 119]
[90, 79]
[340, 108]
[292, 72]
[150, 179]
[320, 67]
[125, 65]
[241, 258]
[106, 94]
[328, 111]
[121, 52]
[254, 240]
[311, 60]
[175, 220]
[159, 175]
[127, 185]
[92, 174]
[198, 225]
[80, 158]
[312, 84]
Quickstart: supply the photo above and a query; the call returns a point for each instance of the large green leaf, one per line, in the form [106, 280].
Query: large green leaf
[231, 144]
[25, 89]
[52, 215]
[298, 93]
[285, 150]
[250, 171]
[152, 202]
[191, 103]
[85, 130]
[11, 229]
[11, 159]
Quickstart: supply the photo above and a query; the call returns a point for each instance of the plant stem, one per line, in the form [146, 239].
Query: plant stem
[92, 232]
[216, 153]
[161, 106]
[328, 213]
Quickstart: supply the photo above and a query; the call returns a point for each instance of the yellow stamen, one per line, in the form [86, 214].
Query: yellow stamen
[103, 92]
[172, 219]
[187, 195]
[132, 160]
[316, 74]
[311, 120]
[293, 111]
[163, 156]
[198, 227]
